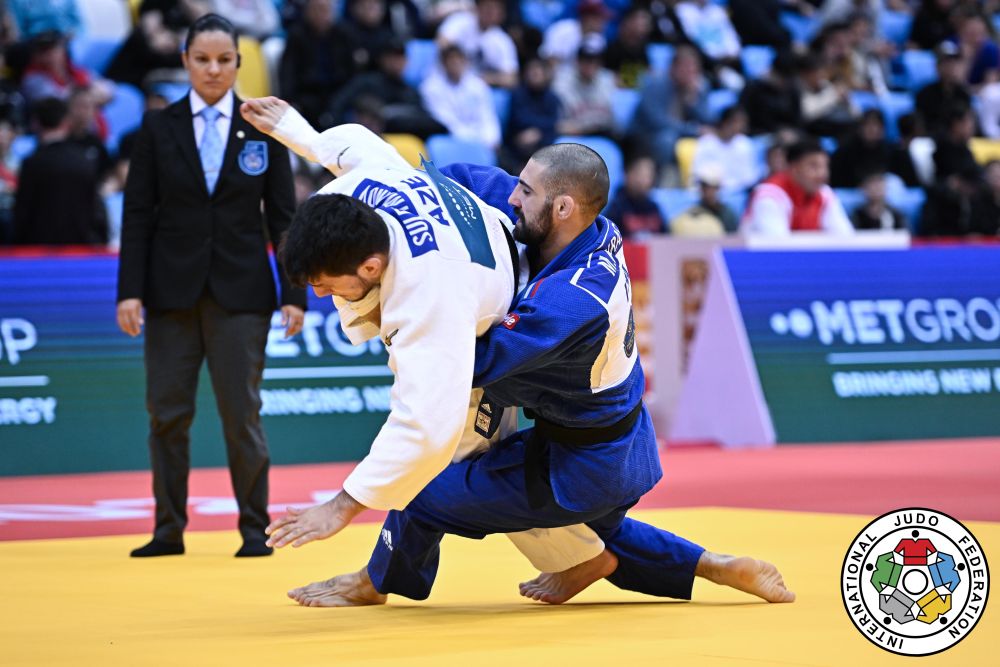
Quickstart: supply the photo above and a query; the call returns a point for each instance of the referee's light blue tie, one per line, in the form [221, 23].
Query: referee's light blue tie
[211, 148]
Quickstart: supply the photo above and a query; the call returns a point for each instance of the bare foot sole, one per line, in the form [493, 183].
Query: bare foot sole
[346, 590]
[558, 587]
[749, 575]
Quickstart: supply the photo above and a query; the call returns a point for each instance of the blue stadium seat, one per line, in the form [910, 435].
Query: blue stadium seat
[123, 113]
[829, 144]
[756, 60]
[736, 200]
[421, 54]
[171, 91]
[673, 201]
[720, 100]
[541, 14]
[23, 146]
[93, 53]
[609, 151]
[501, 102]
[623, 104]
[895, 26]
[919, 68]
[802, 28]
[909, 202]
[851, 198]
[864, 100]
[660, 56]
[445, 149]
[893, 106]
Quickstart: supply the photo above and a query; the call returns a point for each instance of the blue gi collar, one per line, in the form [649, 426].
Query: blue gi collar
[598, 236]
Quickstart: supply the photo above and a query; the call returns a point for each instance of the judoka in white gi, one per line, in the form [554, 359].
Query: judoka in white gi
[592, 453]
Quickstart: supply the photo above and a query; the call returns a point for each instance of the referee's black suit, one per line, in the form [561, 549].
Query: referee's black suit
[199, 263]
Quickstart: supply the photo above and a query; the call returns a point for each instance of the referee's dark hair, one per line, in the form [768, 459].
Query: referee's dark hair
[210, 23]
[332, 235]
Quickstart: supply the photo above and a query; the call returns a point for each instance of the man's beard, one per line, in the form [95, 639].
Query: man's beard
[533, 234]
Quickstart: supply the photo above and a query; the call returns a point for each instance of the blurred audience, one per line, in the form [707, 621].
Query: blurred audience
[932, 23]
[626, 55]
[481, 37]
[952, 154]
[631, 207]
[534, 115]
[728, 147]
[875, 212]
[563, 38]
[772, 102]
[460, 100]
[585, 91]
[827, 109]
[258, 19]
[710, 217]
[33, 17]
[153, 49]
[934, 100]
[58, 200]
[798, 199]
[366, 23]
[758, 22]
[864, 151]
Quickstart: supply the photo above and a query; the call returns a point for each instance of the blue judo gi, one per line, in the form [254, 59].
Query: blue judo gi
[567, 354]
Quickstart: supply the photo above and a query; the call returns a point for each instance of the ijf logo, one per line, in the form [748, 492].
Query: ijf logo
[915, 581]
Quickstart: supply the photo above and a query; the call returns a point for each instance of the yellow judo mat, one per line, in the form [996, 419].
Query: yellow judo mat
[84, 602]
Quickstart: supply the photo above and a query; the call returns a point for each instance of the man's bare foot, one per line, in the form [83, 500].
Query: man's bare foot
[745, 574]
[347, 590]
[558, 587]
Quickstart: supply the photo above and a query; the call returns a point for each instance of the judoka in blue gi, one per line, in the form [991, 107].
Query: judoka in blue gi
[566, 352]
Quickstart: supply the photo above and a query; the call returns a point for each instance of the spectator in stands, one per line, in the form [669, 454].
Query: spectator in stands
[902, 162]
[827, 109]
[626, 54]
[534, 114]
[672, 105]
[986, 206]
[84, 128]
[979, 51]
[402, 107]
[865, 151]
[317, 62]
[875, 212]
[34, 17]
[8, 180]
[563, 38]
[58, 201]
[952, 154]
[481, 37]
[758, 22]
[832, 47]
[50, 73]
[797, 199]
[772, 102]
[585, 92]
[949, 208]
[707, 25]
[932, 24]
[950, 90]
[710, 217]
[258, 19]
[366, 22]
[868, 55]
[728, 147]
[631, 207]
[155, 42]
[775, 159]
[460, 100]
[666, 26]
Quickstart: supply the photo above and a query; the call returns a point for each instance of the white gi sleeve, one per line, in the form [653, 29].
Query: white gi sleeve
[770, 212]
[340, 148]
[429, 316]
[833, 218]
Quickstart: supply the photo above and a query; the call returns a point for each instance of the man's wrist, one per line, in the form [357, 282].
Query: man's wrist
[345, 504]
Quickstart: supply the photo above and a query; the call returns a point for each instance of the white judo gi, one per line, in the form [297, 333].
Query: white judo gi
[444, 285]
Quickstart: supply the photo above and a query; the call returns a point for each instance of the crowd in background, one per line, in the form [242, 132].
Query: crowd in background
[691, 102]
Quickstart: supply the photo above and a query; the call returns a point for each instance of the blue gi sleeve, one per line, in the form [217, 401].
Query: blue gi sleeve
[548, 324]
[491, 184]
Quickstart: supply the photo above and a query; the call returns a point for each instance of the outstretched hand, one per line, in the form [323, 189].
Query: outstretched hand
[264, 113]
[302, 526]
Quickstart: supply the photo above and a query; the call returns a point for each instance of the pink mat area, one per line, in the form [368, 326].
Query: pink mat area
[960, 477]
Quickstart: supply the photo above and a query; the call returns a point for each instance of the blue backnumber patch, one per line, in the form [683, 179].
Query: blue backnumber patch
[253, 158]
[465, 213]
[419, 232]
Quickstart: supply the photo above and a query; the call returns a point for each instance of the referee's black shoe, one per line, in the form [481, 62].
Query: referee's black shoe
[253, 548]
[158, 548]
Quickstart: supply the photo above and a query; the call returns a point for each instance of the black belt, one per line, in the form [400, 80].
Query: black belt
[536, 469]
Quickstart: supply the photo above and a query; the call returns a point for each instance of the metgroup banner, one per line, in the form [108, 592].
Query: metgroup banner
[871, 345]
[72, 385]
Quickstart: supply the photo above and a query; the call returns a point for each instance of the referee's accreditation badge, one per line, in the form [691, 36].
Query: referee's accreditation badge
[915, 581]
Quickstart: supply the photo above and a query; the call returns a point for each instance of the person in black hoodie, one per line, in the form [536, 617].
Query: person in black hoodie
[772, 102]
[865, 151]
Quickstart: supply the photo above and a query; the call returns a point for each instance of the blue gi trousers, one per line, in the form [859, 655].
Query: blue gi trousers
[477, 497]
